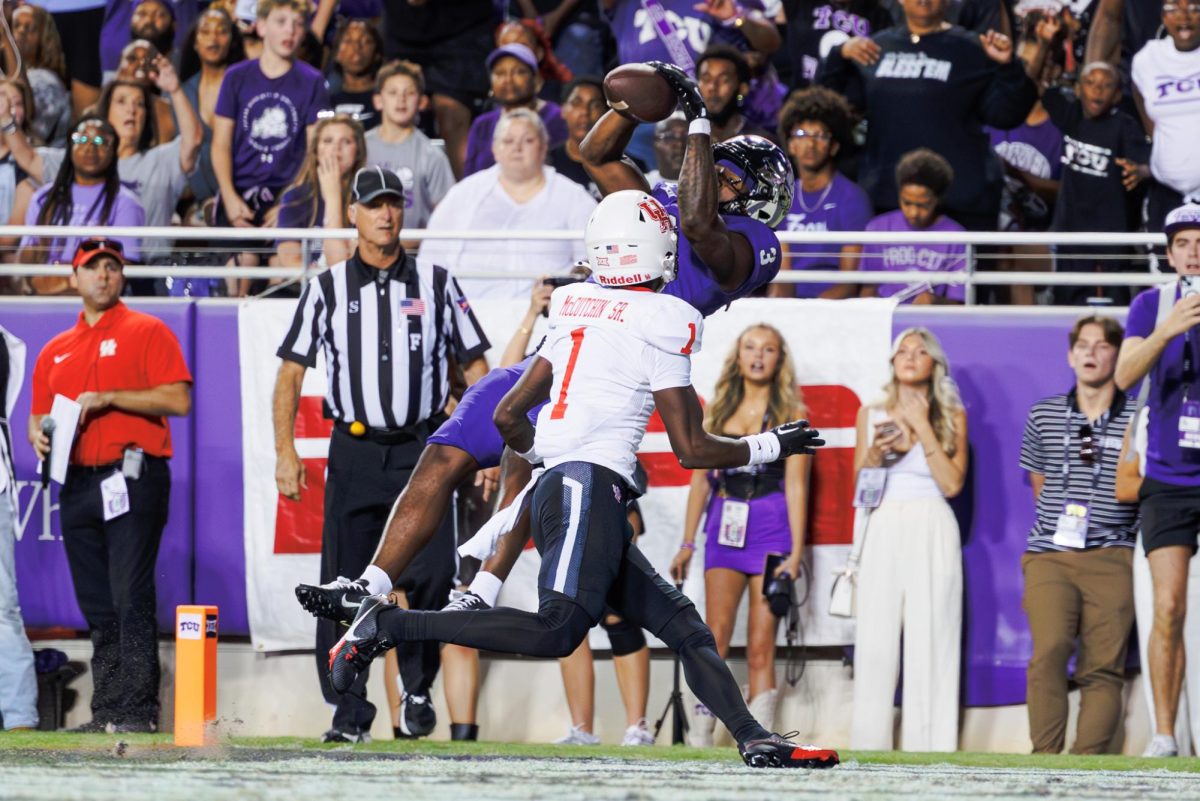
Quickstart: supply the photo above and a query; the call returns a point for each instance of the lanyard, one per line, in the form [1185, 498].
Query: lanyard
[1189, 369]
[668, 34]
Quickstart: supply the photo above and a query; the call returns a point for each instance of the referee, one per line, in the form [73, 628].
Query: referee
[392, 334]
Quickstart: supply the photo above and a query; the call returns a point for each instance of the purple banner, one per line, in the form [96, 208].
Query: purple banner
[43, 578]
[1003, 362]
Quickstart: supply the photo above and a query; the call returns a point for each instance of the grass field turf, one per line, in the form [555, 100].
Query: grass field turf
[20, 746]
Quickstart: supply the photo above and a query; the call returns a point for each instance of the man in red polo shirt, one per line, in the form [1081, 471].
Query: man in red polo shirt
[126, 371]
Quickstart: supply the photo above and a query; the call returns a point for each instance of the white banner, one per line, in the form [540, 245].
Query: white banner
[840, 350]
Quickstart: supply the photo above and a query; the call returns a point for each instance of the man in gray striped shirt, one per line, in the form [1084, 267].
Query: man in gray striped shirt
[1078, 563]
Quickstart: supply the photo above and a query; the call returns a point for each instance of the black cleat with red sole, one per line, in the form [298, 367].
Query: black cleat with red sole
[778, 752]
[361, 643]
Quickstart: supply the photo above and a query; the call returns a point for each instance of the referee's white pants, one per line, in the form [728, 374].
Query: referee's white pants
[910, 581]
[1187, 717]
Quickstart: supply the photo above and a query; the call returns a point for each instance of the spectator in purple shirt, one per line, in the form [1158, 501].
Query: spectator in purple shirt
[515, 81]
[86, 191]
[320, 195]
[723, 77]
[816, 125]
[923, 177]
[264, 113]
[1162, 345]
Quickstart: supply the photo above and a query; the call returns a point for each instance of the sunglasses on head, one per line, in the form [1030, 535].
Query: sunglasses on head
[99, 140]
[92, 245]
[1087, 445]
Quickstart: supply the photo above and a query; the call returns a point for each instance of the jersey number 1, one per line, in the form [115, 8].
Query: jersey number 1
[560, 408]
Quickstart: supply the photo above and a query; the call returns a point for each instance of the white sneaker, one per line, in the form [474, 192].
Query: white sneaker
[638, 734]
[701, 727]
[1161, 745]
[577, 736]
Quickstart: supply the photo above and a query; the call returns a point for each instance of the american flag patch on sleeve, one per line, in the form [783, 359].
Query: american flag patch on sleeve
[413, 307]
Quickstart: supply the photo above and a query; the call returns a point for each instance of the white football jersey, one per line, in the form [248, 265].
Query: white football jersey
[610, 350]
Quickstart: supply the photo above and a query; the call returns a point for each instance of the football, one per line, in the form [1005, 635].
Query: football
[639, 93]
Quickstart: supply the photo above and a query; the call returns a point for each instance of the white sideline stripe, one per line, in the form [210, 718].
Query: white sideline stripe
[658, 442]
[575, 491]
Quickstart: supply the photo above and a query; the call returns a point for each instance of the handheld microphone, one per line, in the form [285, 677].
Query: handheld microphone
[48, 425]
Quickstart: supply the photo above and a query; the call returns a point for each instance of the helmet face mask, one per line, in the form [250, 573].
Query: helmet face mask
[765, 171]
[630, 240]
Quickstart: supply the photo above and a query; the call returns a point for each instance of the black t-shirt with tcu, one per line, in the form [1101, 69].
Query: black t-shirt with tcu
[1092, 197]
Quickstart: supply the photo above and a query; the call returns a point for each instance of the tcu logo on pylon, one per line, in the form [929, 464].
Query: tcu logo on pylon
[768, 256]
[655, 212]
[108, 347]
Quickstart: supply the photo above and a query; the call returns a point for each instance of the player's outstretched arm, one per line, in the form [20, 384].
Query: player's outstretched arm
[680, 410]
[512, 415]
[603, 153]
[727, 255]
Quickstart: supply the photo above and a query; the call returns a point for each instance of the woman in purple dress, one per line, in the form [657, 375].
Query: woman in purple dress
[751, 512]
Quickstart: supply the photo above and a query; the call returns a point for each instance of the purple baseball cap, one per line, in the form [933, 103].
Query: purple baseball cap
[1186, 216]
[518, 51]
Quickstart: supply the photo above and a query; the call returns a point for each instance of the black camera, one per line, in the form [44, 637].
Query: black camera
[778, 590]
[560, 280]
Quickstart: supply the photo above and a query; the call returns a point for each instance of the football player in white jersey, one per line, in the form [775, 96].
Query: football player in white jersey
[616, 349]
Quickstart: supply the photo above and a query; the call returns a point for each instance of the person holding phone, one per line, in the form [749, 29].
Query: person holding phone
[910, 574]
[752, 512]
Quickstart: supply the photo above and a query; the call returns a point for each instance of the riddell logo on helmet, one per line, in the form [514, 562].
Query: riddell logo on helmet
[621, 280]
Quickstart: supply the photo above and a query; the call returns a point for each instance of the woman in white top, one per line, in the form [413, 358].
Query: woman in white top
[910, 574]
[518, 192]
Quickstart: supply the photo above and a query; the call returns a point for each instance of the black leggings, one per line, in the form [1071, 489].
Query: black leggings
[634, 590]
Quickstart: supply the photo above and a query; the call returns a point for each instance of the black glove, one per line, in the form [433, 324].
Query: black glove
[685, 89]
[796, 437]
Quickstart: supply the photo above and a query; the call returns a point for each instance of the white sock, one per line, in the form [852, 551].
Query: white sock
[487, 586]
[1166, 739]
[377, 580]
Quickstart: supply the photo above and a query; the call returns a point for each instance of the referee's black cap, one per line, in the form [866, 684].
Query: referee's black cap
[372, 182]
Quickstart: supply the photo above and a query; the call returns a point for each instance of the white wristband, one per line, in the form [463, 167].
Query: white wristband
[531, 455]
[764, 448]
[700, 126]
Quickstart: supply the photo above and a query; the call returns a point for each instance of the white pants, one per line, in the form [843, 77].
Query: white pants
[910, 581]
[1187, 718]
[18, 683]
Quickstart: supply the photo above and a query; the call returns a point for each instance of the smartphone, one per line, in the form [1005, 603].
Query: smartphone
[886, 429]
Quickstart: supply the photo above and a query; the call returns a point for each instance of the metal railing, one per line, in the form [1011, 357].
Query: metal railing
[979, 248]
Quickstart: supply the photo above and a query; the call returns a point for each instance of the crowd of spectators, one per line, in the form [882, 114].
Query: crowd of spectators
[1017, 115]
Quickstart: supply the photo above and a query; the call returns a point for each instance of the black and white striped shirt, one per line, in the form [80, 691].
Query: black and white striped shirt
[386, 337]
[1052, 437]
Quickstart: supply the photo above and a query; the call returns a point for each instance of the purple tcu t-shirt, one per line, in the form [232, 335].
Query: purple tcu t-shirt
[841, 206]
[1036, 149]
[269, 120]
[86, 206]
[929, 258]
[479, 139]
[638, 39]
[1164, 462]
[694, 284]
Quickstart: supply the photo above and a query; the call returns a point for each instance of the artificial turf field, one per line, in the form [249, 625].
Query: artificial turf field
[35, 765]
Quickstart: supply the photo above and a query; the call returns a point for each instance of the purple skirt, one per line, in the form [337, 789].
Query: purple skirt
[767, 532]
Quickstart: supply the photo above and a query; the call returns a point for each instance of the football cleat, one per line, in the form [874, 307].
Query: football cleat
[338, 600]
[361, 643]
[417, 717]
[778, 752]
[465, 602]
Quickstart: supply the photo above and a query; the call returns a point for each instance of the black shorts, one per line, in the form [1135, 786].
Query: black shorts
[80, 35]
[455, 67]
[579, 528]
[1170, 515]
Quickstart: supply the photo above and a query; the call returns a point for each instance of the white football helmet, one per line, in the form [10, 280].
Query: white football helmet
[630, 239]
